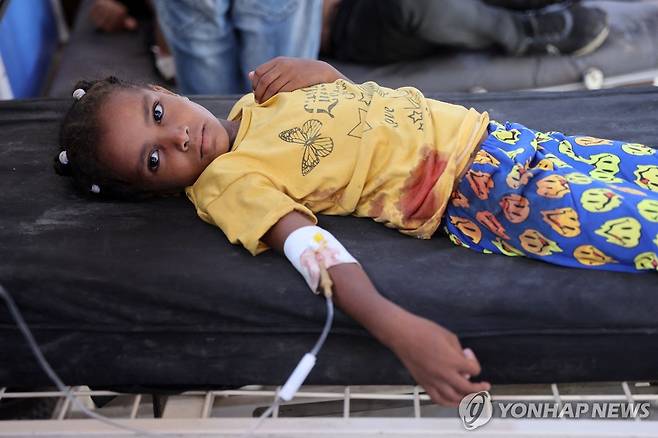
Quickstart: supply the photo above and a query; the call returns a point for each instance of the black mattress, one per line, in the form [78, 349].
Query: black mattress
[146, 294]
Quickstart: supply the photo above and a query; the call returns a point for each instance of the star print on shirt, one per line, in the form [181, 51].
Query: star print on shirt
[416, 116]
[367, 91]
[361, 127]
[415, 113]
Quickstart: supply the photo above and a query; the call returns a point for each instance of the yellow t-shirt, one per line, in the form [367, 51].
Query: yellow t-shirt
[338, 148]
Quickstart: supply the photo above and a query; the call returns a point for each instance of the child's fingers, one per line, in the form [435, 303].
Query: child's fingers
[255, 76]
[437, 397]
[464, 386]
[469, 364]
[275, 87]
[469, 355]
[449, 394]
[264, 83]
[254, 80]
[453, 340]
[262, 70]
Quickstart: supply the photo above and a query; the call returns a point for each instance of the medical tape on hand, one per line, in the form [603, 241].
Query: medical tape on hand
[309, 247]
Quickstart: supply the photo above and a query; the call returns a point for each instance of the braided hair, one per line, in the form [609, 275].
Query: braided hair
[79, 136]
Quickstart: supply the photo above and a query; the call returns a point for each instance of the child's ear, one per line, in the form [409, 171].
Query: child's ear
[160, 89]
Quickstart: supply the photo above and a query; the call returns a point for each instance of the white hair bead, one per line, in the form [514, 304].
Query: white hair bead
[95, 188]
[63, 158]
[78, 93]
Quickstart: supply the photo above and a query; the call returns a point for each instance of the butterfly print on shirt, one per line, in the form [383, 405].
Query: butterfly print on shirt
[315, 146]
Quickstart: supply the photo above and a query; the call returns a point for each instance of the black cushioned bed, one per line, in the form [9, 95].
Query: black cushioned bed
[146, 294]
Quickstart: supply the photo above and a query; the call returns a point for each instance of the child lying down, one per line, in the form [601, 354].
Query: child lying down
[309, 141]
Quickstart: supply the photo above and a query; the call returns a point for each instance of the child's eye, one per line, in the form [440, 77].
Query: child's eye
[158, 112]
[154, 160]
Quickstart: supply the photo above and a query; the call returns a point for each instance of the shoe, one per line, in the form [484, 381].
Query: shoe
[564, 30]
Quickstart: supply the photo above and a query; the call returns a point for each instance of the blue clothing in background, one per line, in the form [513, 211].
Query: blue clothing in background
[217, 42]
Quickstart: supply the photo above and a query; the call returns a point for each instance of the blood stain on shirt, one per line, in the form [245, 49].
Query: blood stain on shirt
[417, 200]
[377, 206]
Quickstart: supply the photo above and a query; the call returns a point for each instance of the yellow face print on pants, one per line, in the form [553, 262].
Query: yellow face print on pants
[467, 227]
[556, 161]
[484, 157]
[624, 231]
[647, 261]
[590, 255]
[509, 137]
[514, 153]
[545, 164]
[563, 220]
[648, 209]
[481, 183]
[578, 178]
[459, 200]
[647, 177]
[516, 208]
[542, 137]
[518, 176]
[506, 248]
[489, 220]
[600, 200]
[454, 239]
[567, 149]
[606, 167]
[592, 141]
[536, 243]
[637, 149]
[553, 186]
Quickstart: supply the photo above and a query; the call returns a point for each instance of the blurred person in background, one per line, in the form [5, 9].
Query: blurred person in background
[384, 31]
[216, 43]
[116, 15]
[126, 15]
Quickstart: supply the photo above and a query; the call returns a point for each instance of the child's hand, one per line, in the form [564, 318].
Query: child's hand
[437, 361]
[289, 74]
[431, 353]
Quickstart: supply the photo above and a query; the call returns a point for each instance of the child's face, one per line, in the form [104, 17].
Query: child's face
[157, 140]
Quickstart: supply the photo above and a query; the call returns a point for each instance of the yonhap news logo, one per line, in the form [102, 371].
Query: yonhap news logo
[477, 409]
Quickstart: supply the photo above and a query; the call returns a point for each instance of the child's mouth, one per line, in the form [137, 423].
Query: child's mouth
[203, 128]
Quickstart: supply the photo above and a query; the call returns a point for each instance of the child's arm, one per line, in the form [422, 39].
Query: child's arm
[431, 353]
[289, 74]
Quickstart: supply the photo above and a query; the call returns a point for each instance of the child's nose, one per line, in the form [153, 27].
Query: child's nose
[180, 136]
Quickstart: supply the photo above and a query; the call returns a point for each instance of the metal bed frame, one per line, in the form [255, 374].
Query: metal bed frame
[350, 411]
[319, 411]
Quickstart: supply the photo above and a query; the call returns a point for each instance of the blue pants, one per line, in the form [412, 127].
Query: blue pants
[569, 200]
